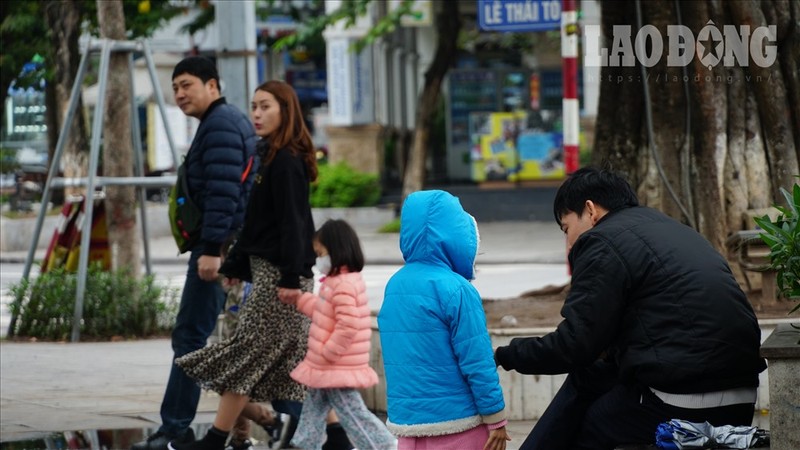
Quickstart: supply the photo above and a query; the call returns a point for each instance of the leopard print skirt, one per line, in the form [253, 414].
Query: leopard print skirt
[269, 341]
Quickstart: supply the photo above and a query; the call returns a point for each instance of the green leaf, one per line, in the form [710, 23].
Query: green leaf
[792, 200]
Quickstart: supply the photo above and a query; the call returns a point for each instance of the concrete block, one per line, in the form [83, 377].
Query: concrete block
[782, 350]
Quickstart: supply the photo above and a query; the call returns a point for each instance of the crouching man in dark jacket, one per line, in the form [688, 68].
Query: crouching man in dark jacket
[655, 326]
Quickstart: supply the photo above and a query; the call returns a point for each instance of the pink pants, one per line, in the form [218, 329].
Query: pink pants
[472, 439]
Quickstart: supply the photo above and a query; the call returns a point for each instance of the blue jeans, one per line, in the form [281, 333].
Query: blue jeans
[201, 304]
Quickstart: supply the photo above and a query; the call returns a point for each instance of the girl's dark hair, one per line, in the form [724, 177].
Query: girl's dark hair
[292, 133]
[603, 187]
[343, 245]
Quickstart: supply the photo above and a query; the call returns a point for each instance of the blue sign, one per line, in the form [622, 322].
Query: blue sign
[519, 15]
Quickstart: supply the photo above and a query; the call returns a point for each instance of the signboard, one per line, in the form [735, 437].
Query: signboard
[506, 149]
[350, 94]
[519, 15]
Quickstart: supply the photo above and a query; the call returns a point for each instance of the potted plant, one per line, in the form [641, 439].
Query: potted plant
[783, 238]
[782, 347]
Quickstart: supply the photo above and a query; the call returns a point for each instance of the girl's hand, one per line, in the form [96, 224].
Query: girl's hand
[497, 439]
[288, 296]
[229, 282]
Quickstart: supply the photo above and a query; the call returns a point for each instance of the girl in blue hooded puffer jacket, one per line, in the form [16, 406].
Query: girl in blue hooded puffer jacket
[443, 390]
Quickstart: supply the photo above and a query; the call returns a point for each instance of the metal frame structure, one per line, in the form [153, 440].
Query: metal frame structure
[105, 47]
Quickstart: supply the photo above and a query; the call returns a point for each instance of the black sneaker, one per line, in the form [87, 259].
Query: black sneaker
[281, 431]
[240, 445]
[337, 438]
[160, 440]
[211, 441]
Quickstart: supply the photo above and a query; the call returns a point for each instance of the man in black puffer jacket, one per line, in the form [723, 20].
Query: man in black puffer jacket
[655, 326]
[220, 175]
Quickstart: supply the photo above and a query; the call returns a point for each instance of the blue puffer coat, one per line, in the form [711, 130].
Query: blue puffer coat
[223, 144]
[440, 372]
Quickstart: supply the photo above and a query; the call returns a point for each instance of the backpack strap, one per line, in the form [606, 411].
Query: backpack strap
[247, 169]
[185, 183]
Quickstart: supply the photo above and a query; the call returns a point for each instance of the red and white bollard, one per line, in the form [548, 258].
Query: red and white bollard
[570, 106]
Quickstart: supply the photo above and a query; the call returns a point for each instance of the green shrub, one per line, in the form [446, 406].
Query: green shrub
[8, 160]
[783, 238]
[114, 304]
[340, 186]
[391, 227]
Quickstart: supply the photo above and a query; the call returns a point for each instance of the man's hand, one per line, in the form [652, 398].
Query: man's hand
[289, 296]
[497, 439]
[496, 361]
[207, 267]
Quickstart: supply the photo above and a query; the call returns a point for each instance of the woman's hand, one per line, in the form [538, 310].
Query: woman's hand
[497, 439]
[288, 296]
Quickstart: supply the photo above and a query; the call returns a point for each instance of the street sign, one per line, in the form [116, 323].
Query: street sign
[519, 15]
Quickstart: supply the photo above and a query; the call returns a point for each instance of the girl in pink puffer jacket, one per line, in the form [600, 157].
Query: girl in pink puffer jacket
[337, 361]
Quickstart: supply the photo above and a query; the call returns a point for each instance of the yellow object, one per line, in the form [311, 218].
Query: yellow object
[504, 151]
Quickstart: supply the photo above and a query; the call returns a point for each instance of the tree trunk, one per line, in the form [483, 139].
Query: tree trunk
[737, 143]
[448, 25]
[743, 120]
[64, 21]
[120, 201]
[776, 112]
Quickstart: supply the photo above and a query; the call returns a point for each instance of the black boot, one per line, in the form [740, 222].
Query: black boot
[337, 438]
[213, 440]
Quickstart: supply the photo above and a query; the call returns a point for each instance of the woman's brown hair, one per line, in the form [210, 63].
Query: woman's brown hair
[292, 132]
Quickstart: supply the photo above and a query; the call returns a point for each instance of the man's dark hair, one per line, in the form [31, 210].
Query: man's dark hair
[199, 66]
[343, 245]
[604, 187]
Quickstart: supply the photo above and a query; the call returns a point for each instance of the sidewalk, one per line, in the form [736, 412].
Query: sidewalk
[53, 387]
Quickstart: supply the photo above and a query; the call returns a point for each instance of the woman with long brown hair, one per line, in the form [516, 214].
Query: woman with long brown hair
[270, 339]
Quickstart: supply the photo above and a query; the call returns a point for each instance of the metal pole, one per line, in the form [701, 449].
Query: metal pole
[139, 165]
[151, 67]
[162, 181]
[94, 156]
[571, 107]
[236, 56]
[51, 175]
[66, 127]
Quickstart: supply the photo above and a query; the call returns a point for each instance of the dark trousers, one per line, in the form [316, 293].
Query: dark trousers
[290, 407]
[201, 303]
[592, 410]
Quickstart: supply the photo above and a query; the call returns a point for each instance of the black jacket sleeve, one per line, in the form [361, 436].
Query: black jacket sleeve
[592, 312]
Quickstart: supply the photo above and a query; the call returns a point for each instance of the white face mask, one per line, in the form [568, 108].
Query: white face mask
[323, 264]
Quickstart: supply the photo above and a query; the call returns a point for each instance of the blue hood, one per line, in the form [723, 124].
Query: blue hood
[435, 229]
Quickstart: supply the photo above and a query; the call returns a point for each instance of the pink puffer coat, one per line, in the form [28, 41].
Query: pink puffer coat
[339, 337]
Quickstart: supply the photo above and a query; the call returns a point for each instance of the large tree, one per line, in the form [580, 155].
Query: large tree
[64, 19]
[52, 28]
[120, 201]
[448, 25]
[34, 23]
[725, 135]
